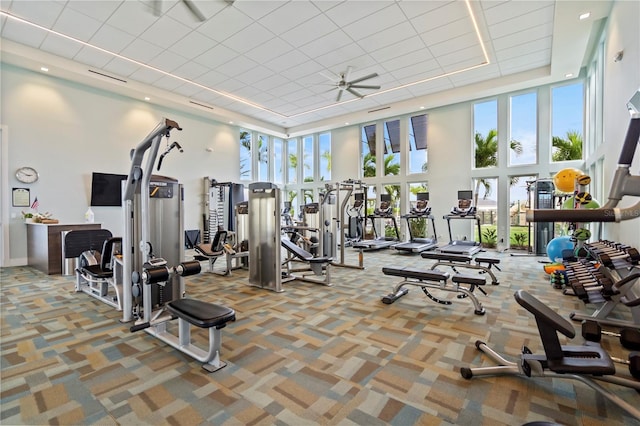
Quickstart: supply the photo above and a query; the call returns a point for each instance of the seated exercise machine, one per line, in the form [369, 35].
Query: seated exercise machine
[153, 259]
[586, 363]
[435, 280]
[420, 212]
[218, 248]
[353, 231]
[464, 210]
[455, 261]
[385, 212]
[96, 250]
[320, 267]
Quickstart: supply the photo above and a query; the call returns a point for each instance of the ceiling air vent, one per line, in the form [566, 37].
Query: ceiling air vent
[108, 76]
[202, 105]
[379, 109]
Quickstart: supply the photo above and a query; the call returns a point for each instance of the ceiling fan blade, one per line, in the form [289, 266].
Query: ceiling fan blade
[157, 7]
[359, 86]
[366, 77]
[339, 95]
[196, 12]
[354, 93]
[347, 73]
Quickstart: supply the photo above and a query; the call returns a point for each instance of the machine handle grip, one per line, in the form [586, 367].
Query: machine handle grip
[630, 141]
[578, 215]
[139, 327]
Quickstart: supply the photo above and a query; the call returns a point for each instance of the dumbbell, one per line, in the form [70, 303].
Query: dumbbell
[629, 337]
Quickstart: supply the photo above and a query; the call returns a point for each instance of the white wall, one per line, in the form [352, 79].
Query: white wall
[67, 131]
[622, 79]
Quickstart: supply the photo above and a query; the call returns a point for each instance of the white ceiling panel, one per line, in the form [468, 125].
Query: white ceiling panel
[286, 56]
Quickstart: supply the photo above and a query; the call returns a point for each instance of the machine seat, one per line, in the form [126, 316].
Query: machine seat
[447, 257]
[466, 279]
[417, 274]
[103, 269]
[302, 254]
[202, 314]
[97, 272]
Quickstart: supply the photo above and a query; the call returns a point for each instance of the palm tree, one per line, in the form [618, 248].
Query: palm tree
[369, 165]
[569, 148]
[245, 142]
[486, 155]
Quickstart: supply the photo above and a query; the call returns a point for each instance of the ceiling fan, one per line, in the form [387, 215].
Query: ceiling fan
[344, 84]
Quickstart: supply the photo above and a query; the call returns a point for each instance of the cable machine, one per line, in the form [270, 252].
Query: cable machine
[220, 199]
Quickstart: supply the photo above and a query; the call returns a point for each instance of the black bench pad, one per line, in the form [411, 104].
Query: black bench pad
[96, 272]
[302, 253]
[447, 257]
[490, 260]
[202, 314]
[466, 279]
[417, 274]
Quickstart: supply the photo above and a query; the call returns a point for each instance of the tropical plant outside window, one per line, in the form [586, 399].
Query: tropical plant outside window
[418, 144]
[262, 149]
[519, 202]
[392, 147]
[419, 226]
[278, 175]
[567, 122]
[308, 159]
[368, 150]
[245, 155]
[524, 124]
[292, 161]
[324, 145]
[485, 123]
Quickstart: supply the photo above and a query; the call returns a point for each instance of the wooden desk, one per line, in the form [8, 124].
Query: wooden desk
[44, 244]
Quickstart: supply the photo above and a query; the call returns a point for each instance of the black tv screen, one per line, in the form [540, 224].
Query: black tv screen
[106, 189]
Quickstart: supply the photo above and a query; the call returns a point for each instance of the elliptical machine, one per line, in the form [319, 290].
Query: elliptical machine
[153, 257]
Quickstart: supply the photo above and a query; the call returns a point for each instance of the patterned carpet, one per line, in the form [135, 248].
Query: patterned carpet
[310, 355]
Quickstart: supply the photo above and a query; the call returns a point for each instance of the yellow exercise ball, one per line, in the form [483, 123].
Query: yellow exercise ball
[565, 179]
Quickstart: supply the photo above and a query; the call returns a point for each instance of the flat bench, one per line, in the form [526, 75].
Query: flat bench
[454, 261]
[434, 279]
[318, 265]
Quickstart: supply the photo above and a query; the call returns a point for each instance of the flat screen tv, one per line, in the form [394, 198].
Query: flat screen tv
[106, 189]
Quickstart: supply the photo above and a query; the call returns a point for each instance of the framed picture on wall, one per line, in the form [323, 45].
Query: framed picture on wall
[21, 197]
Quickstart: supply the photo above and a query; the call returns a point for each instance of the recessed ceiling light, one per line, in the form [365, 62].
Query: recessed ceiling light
[585, 16]
[231, 122]
[146, 98]
[569, 75]
[45, 69]
[346, 124]
[421, 107]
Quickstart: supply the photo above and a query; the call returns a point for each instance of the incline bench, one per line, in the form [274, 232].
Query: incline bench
[434, 280]
[463, 261]
[319, 266]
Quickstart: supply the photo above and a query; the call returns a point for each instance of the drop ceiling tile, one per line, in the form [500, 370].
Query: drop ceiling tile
[190, 71]
[515, 25]
[445, 32]
[285, 89]
[531, 46]
[132, 17]
[388, 17]
[165, 32]
[97, 9]
[395, 50]
[257, 9]
[254, 74]
[274, 80]
[216, 56]
[111, 39]
[141, 50]
[187, 90]
[476, 75]
[252, 36]
[236, 66]
[528, 60]
[120, 67]
[230, 85]
[60, 46]
[181, 13]
[247, 92]
[224, 24]
[464, 41]
[21, 33]
[429, 87]
[168, 61]
[76, 25]
[463, 64]
[211, 78]
[509, 10]
[145, 75]
[93, 57]
[288, 60]
[167, 83]
[288, 16]
[407, 60]
[351, 11]
[416, 8]
[442, 16]
[460, 55]
[192, 45]
[326, 43]
[316, 27]
[43, 13]
[340, 55]
[387, 37]
[303, 72]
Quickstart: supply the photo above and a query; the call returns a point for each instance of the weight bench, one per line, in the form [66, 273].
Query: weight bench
[318, 266]
[434, 279]
[463, 261]
[586, 363]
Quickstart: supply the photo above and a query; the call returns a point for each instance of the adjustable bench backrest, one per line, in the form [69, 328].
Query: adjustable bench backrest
[77, 242]
[296, 249]
[108, 250]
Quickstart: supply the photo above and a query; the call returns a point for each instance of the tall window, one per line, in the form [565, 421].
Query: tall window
[392, 147]
[278, 172]
[420, 227]
[519, 202]
[308, 159]
[524, 129]
[486, 201]
[245, 155]
[567, 106]
[418, 144]
[324, 145]
[368, 150]
[292, 161]
[485, 130]
[262, 149]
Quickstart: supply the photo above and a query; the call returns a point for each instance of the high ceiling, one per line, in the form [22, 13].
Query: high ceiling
[277, 64]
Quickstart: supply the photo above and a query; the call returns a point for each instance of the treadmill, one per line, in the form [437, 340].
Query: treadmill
[384, 211]
[464, 211]
[420, 211]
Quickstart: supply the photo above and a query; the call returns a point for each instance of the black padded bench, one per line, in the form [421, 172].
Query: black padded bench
[454, 261]
[202, 314]
[434, 279]
[319, 265]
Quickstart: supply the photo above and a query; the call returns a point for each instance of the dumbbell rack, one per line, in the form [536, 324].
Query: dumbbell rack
[615, 281]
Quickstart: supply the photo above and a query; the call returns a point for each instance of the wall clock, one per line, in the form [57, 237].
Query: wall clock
[27, 174]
